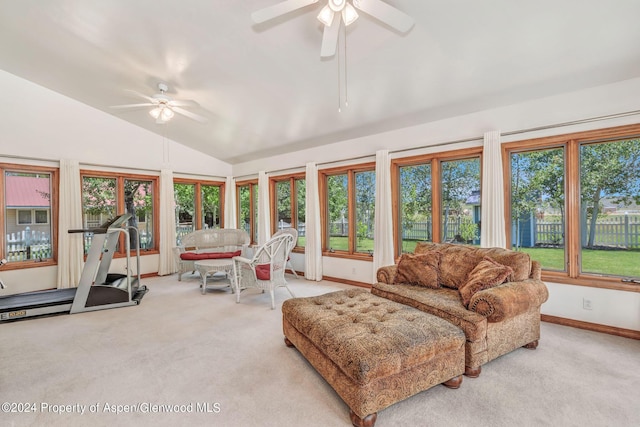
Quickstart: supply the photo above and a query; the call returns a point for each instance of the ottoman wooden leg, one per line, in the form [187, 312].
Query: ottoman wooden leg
[288, 343]
[367, 421]
[532, 345]
[472, 372]
[453, 382]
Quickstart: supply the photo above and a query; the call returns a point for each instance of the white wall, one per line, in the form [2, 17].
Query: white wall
[613, 308]
[37, 123]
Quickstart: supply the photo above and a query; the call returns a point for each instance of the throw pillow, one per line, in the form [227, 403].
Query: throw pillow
[486, 274]
[421, 270]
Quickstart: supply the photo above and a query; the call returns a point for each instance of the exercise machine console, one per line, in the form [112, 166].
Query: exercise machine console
[97, 290]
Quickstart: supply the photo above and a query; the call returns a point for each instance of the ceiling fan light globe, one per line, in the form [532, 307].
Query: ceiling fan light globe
[337, 5]
[167, 114]
[349, 15]
[155, 113]
[326, 16]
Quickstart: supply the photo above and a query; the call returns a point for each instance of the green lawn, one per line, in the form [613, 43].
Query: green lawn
[617, 263]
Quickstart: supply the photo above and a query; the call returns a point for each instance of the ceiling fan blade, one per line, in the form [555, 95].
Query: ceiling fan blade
[146, 104]
[330, 38]
[183, 103]
[143, 96]
[190, 115]
[279, 9]
[386, 13]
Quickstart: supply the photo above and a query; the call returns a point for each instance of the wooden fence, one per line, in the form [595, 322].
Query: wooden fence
[28, 245]
[621, 231]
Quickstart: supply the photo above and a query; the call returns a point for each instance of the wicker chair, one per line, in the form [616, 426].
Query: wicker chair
[266, 270]
[294, 233]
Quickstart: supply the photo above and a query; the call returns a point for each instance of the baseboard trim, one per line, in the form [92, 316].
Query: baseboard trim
[347, 282]
[611, 330]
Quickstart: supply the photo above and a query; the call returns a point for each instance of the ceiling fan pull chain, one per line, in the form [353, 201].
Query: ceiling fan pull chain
[339, 86]
[346, 83]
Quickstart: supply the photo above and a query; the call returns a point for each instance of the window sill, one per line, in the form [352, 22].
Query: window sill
[613, 283]
[338, 254]
[21, 265]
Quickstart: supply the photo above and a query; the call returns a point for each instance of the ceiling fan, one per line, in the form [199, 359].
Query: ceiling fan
[336, 12]
[164, 106]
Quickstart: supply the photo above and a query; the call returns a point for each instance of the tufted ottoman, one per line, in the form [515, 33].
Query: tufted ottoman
[373, 352]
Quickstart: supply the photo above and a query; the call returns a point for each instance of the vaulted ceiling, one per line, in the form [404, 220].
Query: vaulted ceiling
[264, 88]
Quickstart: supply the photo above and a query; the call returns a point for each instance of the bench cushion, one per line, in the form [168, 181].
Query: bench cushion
[192, 256]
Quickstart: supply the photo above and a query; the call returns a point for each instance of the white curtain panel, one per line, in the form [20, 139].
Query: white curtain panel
[70, 246]
[493, 232]
[383, 254]
[167, 263]
[313, 245]
[264, 214]
[230, 217]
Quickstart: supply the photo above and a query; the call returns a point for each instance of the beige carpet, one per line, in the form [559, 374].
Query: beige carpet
[225, 364]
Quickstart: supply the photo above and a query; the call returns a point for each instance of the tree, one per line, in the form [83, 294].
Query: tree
[459, 179]
[608, 170]
[184, 195]
[415, 184]
[365, 202]
[337, 197]
[210, 201]
[537, 182]
[99, 195]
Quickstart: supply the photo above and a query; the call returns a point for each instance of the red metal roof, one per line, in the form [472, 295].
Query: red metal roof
[26, 191]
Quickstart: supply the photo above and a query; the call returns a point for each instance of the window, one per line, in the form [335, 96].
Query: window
[105, 195]
[415, 205]
[574, 205]
[33, 216]
[247, 195]
[199, 206]
[288, 209]
[445, 186]
[28, 198]
[538, 205]
[348, 202]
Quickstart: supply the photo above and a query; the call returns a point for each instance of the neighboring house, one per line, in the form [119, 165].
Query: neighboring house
[27, 204]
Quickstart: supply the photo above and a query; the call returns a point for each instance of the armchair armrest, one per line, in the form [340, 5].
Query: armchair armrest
[509, 299]
[387, 274]
[177, 250]
[242, 259]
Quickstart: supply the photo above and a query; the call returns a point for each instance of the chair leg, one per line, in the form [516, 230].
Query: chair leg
[292, 295]
[273, 298]
[292, 270]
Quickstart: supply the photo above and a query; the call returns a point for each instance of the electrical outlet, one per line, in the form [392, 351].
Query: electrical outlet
[586, 304]
[353, 270]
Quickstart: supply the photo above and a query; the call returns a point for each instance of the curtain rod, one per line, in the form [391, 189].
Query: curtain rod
[481, 138]
[459, 141]
[571, 123]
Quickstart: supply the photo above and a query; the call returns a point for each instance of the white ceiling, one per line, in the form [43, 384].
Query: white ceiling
[264, 88]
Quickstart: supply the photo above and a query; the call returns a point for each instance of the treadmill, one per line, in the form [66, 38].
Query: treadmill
[97, 290]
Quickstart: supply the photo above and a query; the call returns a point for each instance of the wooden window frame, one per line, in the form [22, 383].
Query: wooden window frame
[571, 143]
[198, 198]
[435, 160]
[53, 217]
[253, 208]
[350, 171]
[120, 208]
[273, 182]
